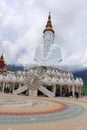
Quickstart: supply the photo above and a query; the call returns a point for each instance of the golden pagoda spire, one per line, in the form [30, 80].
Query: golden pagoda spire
[49, 25]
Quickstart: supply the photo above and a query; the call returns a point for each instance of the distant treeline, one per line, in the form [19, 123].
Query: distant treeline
[16, 67]
[82, 74]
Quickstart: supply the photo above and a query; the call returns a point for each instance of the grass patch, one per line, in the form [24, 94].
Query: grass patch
[84, 90]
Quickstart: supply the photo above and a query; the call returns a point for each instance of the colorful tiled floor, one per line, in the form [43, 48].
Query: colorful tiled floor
[26, 110]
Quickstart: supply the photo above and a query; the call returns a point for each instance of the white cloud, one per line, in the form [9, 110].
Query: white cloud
[22, 23]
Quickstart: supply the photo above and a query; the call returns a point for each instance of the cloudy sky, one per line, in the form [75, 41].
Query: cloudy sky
[22, 23]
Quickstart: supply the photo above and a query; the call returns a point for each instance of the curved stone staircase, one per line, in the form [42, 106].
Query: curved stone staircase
[44, 90]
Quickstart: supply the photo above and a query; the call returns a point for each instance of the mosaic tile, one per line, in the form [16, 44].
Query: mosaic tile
[38, 111]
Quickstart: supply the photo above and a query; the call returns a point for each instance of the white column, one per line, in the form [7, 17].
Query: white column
[54, 89]
[3, 86]
[13, 87]
[79, 90]
[73, 90]
[19, 85]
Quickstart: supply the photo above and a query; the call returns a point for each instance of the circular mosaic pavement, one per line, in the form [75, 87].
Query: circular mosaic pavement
[14, 110]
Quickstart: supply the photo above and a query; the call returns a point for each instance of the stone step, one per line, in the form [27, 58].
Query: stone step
[20, 90]
[46, 91]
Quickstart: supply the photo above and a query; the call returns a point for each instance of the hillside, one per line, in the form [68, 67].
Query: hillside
[82, 74]
[16, 67]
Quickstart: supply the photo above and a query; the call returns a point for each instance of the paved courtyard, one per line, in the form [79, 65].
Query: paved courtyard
[42, 113]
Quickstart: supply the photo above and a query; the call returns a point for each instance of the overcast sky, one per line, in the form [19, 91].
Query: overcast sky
[22, 23]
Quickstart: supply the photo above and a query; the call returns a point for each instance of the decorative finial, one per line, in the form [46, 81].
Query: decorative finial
[49, 25]
[2, 57]
[49, 13]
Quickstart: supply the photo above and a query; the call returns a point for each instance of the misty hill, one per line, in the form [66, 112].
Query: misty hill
[82, 74]
[16, 67]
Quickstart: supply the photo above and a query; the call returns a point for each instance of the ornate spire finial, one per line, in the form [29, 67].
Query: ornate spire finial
[49, 25]
[49, 13]
[2, 57]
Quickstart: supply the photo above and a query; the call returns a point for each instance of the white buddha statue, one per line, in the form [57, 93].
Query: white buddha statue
[48, 52]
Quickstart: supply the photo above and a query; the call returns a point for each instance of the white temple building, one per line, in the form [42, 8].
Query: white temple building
[45, 77]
